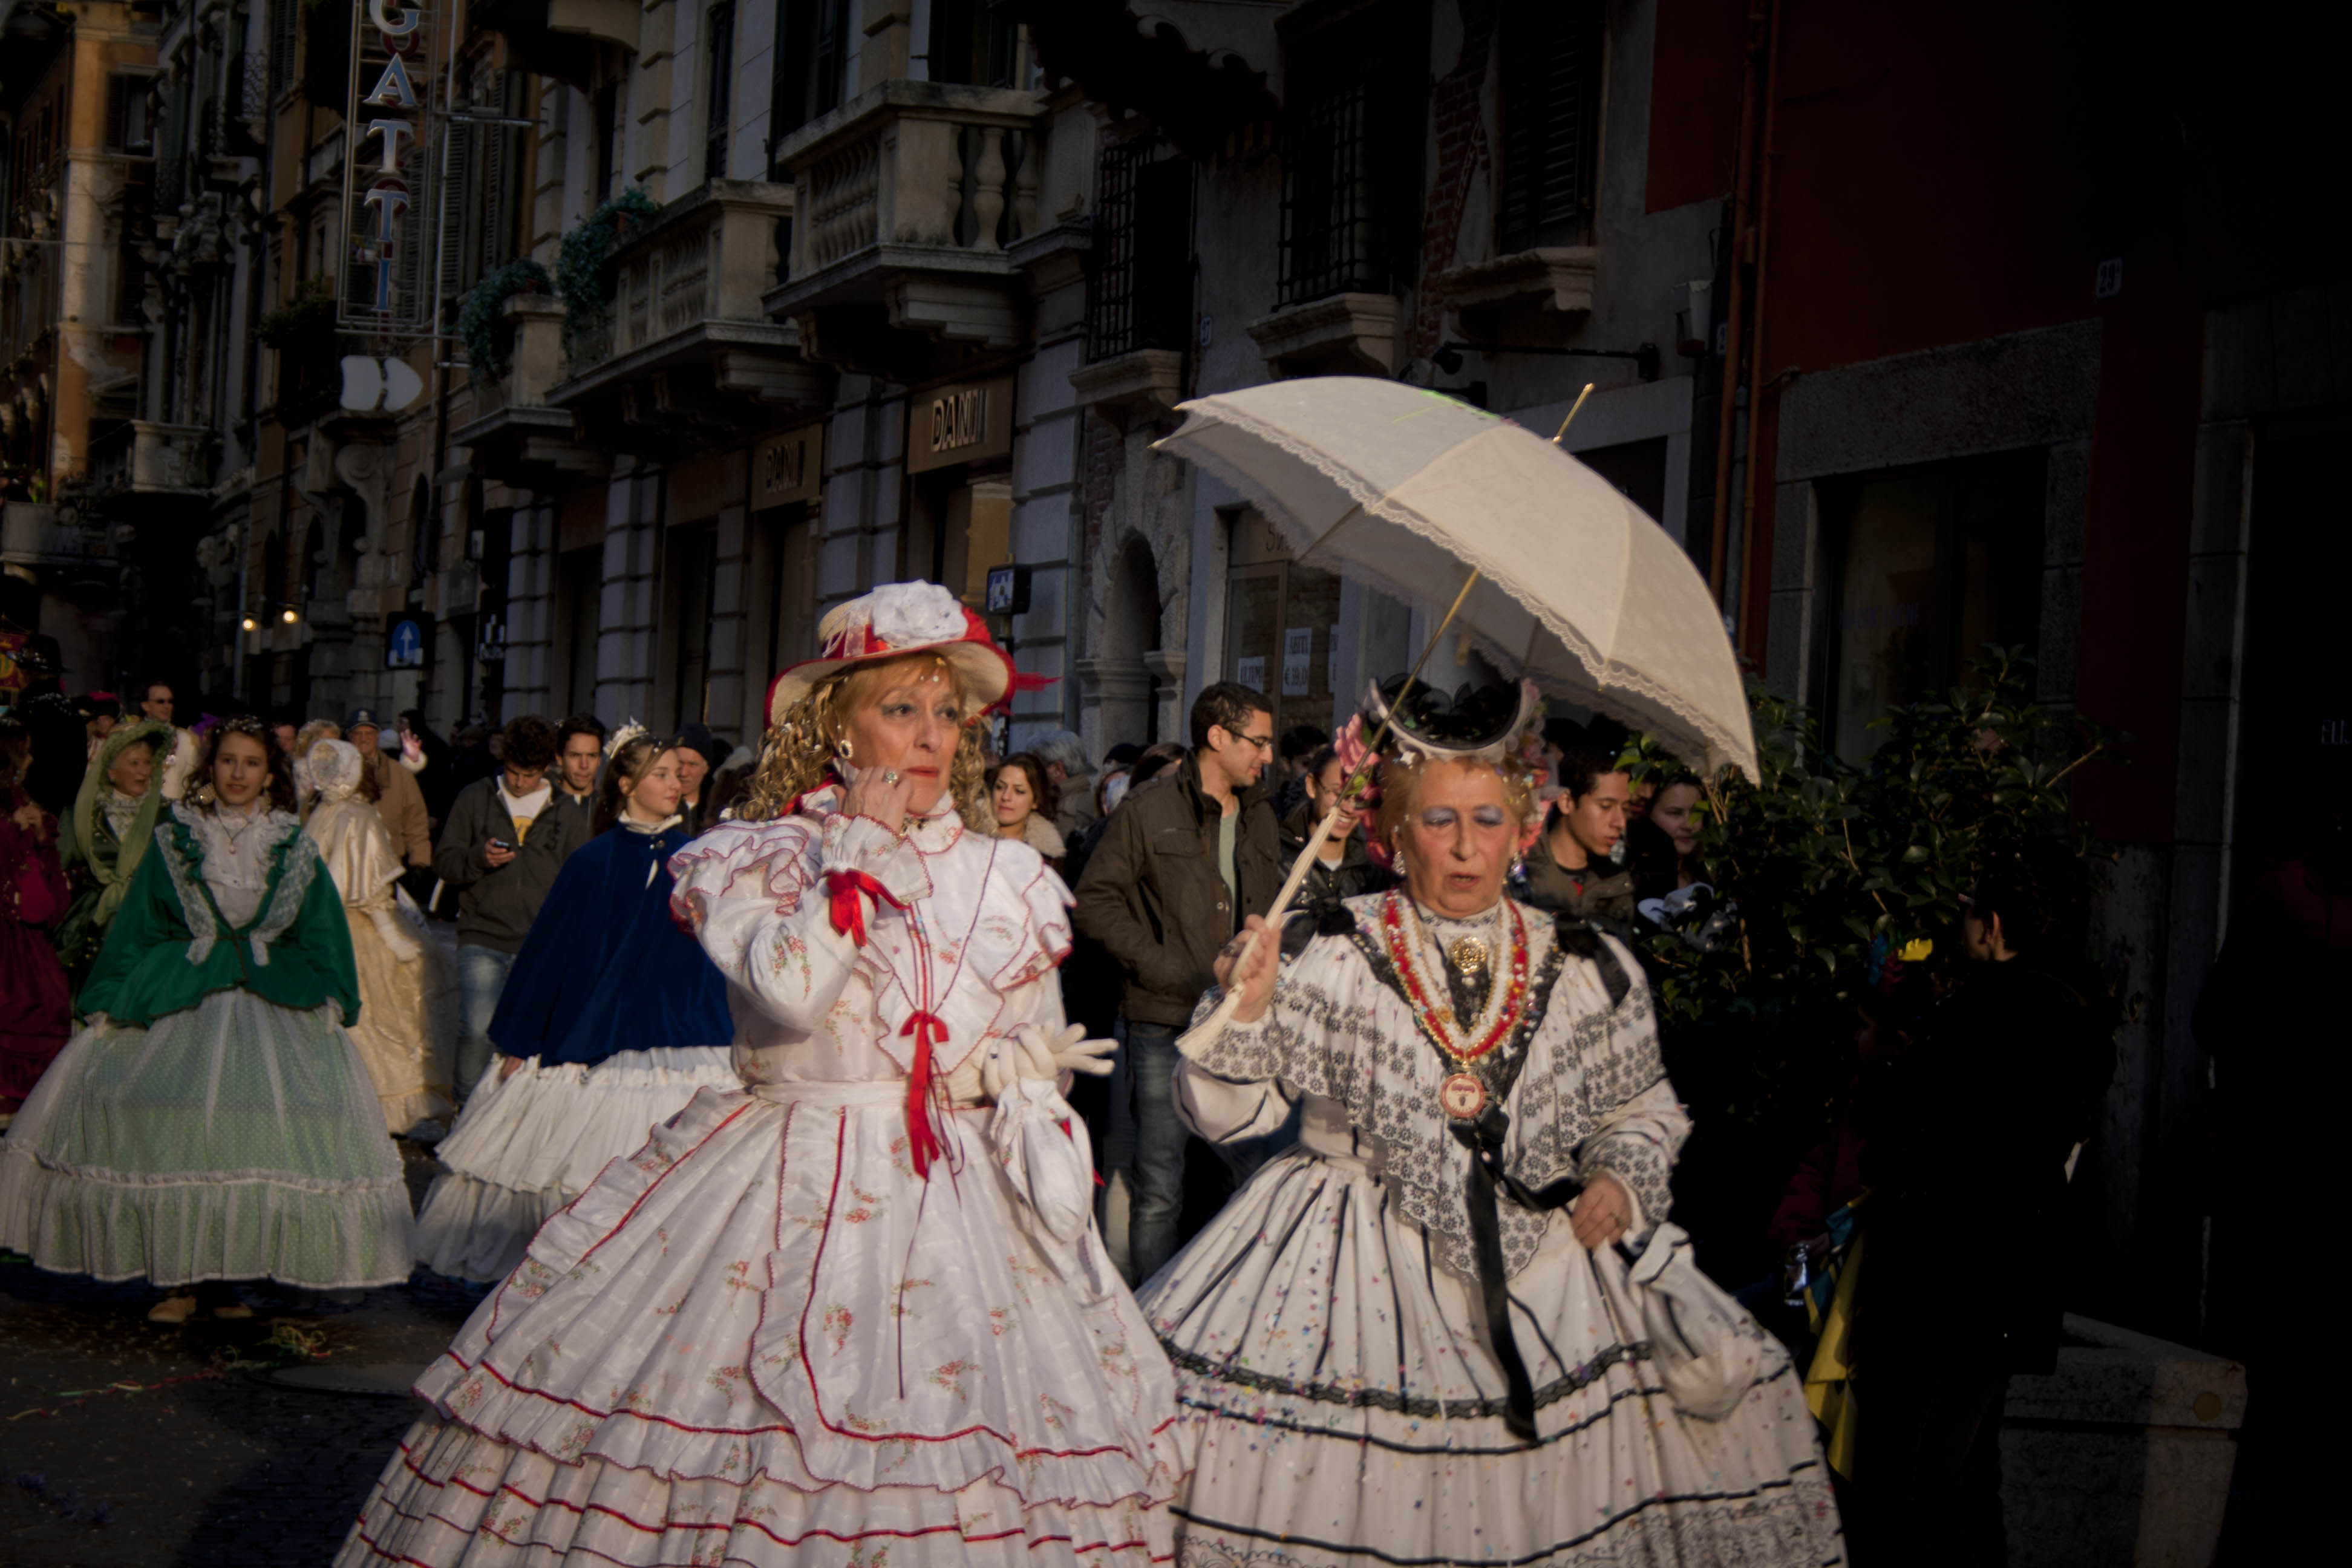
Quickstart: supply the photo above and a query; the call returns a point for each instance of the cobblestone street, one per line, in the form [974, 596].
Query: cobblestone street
[204, 1461]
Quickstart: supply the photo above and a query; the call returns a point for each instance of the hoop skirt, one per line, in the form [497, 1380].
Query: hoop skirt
[764, 1337]
[603, 968]
[1346, 1406]
[213, 1120]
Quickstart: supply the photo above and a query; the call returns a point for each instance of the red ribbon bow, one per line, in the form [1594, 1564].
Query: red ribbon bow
[849, 890]
[922, 1136]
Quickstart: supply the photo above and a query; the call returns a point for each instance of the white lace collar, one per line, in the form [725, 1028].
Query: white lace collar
[932, 833]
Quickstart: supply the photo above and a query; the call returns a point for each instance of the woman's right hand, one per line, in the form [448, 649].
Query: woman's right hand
[881, 793]
[1254, 984]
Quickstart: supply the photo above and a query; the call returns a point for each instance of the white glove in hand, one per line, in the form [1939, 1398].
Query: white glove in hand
[1069, 1051]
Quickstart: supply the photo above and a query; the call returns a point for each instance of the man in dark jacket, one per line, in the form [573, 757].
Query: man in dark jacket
[1182, 862]
[506, 839]
[1344, 869]
[1570, 872]
[1967, 1158]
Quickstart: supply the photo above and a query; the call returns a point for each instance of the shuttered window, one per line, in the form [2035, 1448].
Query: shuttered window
[1551, 122]
[719, 46]
[285, 37]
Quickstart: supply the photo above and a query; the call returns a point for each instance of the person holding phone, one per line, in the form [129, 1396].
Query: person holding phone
[501, 849]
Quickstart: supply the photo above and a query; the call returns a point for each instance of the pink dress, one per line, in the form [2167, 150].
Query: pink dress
[35, 1004]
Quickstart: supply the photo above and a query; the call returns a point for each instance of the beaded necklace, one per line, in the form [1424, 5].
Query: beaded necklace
[1462, 1095]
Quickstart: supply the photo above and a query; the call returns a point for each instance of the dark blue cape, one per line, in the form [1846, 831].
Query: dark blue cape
[603, 969]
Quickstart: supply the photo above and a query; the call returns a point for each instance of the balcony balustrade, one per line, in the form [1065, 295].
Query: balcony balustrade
[909, 199]
[684, 355]
[142, 468]
[516, 437]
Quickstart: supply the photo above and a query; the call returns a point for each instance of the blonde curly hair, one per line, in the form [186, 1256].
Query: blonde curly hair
[797, 755]
[1400, 781]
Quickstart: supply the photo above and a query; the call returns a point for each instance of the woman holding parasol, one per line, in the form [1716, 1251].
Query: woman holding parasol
[1429, 1332]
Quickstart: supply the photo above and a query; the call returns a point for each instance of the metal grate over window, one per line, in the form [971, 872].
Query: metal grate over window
[1141, 286]
[1552, 123]
[1331, 228]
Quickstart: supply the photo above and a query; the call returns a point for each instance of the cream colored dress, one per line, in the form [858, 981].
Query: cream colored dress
[408, 996]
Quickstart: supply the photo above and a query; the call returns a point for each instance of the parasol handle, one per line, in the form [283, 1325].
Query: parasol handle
[1200, 1034]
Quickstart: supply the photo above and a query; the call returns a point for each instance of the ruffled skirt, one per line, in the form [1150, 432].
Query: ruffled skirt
[238, 1140]
[1343, 1406]
[526, 1145]
[762, 1335]
[407, 1027]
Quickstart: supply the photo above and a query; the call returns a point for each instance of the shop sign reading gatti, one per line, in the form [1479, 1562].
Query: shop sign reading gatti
[390, 220]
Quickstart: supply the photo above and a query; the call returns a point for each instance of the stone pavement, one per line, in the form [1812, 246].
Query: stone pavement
[257, 1468]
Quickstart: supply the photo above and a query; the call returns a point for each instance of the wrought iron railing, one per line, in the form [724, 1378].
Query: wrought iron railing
[1140, 286]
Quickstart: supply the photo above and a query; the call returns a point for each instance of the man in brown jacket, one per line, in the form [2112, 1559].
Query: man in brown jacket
[1182, 861]
[401, 803]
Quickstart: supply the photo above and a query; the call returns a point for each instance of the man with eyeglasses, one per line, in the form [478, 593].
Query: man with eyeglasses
[1182, 862]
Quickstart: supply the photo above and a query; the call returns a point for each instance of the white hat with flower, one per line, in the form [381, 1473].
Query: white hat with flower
[894, 620]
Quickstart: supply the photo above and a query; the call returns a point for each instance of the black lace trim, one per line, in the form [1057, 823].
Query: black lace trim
[1404, 1405]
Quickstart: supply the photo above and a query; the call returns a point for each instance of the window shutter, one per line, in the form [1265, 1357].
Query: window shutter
[118, 92]
[831, 35]
[458, 217]
[501, 176]
[1550, 123]
[285, 36]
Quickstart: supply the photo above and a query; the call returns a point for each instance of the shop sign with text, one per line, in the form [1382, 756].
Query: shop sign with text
[788, 467]
[390, 218]
[972, 423]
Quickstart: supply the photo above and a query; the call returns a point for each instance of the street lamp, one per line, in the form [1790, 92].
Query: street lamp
[249, 623]
[291, 616]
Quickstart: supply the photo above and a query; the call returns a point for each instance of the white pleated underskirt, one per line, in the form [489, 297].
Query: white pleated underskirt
[526, 1145]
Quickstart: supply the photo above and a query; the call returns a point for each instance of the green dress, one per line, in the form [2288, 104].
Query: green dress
[211, 1119]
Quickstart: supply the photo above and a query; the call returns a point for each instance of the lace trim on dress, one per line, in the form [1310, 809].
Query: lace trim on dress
[293, 886]
[185, 861]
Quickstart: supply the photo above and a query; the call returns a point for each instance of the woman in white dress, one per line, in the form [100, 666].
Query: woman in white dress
[857, 1312]
[1429, 1332]
[406, 1029]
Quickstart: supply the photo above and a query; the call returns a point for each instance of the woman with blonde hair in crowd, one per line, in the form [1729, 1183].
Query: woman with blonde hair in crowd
[212, 1121]
[858, 1310]
[611, 1021]
[408, 998]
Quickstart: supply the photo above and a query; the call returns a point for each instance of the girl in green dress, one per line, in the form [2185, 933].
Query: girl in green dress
[104, 836]
[212, 1121]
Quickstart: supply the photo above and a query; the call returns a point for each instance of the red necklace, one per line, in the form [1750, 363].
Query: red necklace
[1436, 1018]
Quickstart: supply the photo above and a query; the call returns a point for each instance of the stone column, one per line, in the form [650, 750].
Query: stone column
[530, 608]
[628, 637]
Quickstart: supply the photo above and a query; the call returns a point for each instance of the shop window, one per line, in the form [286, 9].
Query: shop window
[1280, 622]
[693, 561]
[1931, 565]
[1141, 285]
[1551, 122]
[581, 585]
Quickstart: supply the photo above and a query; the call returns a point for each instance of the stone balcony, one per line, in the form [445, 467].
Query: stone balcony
[686, 356]
[911, 199]
[34, 536]
[516, 437]
[139, 467]
[560, 37]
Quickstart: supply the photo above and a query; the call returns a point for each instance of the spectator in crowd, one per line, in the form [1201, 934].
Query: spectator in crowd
[400, 800]
[578, 750]
[100, 712]
[1662, 843]
[156, 701]
[281, 733]
[1184, 860]
[699, 752]
[473, 761]
[1064, 759]
[1342, 869]
[1299, 744]
[1022, 797]
[729, 783]
[35, 1010]
[1569, 872]
[501, 851]
[429, 756]
[1983, 1116]
[1152, 761]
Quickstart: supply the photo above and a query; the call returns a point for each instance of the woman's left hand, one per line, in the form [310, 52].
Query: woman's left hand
[1601, 1213]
